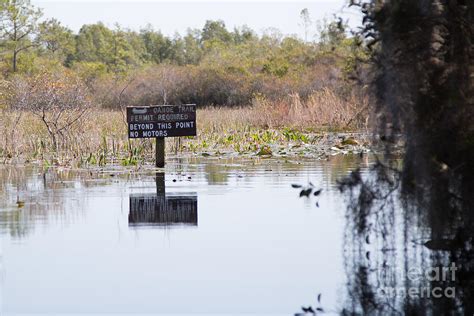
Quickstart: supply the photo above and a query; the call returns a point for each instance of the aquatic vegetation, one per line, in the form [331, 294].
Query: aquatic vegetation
[101, 138]
[295, 135]
[265, 151]
[133, 158]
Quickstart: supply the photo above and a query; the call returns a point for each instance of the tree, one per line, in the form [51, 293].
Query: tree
[192, 48]
[215, 31]
[305, 22]
[422, 66]
[272, 37]
[126, 50]
[158, 47]
[332, 33]
[94, 43]
[57, 40]
[178, 50]
[117, 48]
[243, 34]
[135, 47]
[18, 24]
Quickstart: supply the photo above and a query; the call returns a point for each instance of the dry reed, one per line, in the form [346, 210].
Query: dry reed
[103, 133]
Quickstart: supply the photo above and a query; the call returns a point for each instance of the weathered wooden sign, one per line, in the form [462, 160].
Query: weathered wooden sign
[162, 210]
[161, 121]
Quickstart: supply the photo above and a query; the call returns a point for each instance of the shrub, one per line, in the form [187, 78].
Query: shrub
[59, 99]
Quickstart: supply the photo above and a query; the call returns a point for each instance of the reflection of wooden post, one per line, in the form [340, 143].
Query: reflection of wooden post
[160, 183]
[160, 152]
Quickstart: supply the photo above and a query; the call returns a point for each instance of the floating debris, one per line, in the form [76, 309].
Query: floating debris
[306, 192]
[308, 309]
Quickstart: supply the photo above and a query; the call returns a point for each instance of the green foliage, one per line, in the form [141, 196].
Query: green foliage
[89, 72]
[56, 41]
[276, 67]
[192, 50]
[265, 151]
[134, 157]
[332, 33]
[215, 31]
[18, 23]
[117, 49]
[91, 159]
[158, 47]
[94, 44]
[243, 34]
[295, 135]
[208, 66]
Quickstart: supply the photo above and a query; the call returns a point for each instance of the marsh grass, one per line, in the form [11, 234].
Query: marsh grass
[100, 136]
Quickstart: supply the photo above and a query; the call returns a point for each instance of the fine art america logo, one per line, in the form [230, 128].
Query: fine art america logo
[432, 282]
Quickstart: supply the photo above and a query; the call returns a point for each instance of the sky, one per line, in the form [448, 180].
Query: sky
[177, 16]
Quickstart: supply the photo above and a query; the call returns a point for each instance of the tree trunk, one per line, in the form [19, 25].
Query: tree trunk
[15, 57]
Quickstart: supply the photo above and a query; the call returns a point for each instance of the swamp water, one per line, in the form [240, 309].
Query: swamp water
[212, 236]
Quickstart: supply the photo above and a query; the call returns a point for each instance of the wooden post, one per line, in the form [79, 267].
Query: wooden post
[160, 152]
[160, 183]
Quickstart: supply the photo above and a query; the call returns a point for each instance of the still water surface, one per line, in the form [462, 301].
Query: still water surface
[244, 242]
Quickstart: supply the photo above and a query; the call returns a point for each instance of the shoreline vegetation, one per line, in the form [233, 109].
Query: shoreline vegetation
[100, 136]
[63, 94]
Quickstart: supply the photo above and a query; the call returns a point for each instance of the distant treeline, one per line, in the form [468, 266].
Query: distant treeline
[208, 66]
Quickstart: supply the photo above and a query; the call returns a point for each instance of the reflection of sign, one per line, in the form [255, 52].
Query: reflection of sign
[161, 121]
[156, 210]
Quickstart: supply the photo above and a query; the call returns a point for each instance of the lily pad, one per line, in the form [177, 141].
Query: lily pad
[349, 141]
